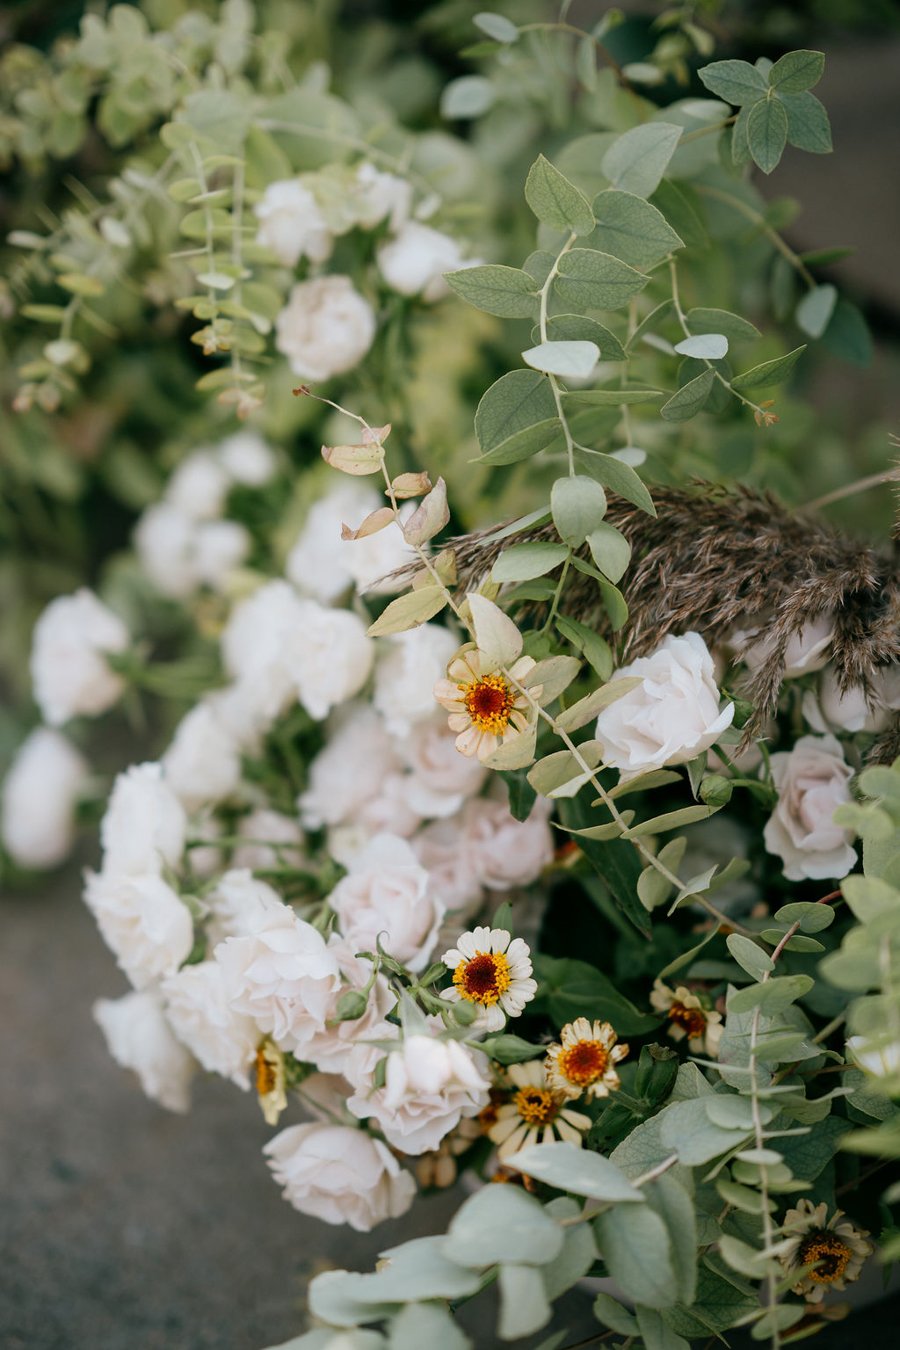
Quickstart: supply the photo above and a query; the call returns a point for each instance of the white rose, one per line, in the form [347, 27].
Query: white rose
[203, 762]
[853, 710]
[332, 1048]
[205, 860]
[142, 921]
[429, 1086]
[219, 547]
[408, 668]
[372, 560]
[165, 542]
[40, 795]
[340, 1175]
[349, 771]
[440, 778]
[808, 649]
[241, 905]
[507, 852]
[381, 196]
[812, 781]
[247, 459]
[330, 657]
[139, 1038]
[671, 716]
[414, 261]
[69, 670]
[199, 486]
[387, 893]
[391, 810]
[256, 645]
[222, 1040]
[283, 976]
[145, 825]
[325, 329]
[292, 224]
[262, 829]
[318, 562]
[443, 849]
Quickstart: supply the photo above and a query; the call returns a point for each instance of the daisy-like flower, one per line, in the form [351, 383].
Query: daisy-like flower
[584, 1059]
[485, 709]
[688, 1016]
[492, 971]
[835, 1250]
[270, 1080]
[536, 1114]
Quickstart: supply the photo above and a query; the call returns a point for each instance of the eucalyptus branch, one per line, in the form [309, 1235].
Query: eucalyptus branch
[762, 415]
[758, 219]
[554, 383]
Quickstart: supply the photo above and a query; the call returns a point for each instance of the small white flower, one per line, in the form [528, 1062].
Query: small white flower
[221, 1039]
[340, 1175]
[292, 224]
[485, 710]
[40, 794]
[139, 1038]
[536, 1114]
[672, 716]
[689, 1016]
[492, 971]
[325, 329]
[329, 658]
[430, 1084]
[836, 1251]
[203, 762]
[387, 894]
[199, 486]
[143, 922]
[381, 196]
[247, 459]
[283, 976]
[409, 665]
[241, 905]
[319, 562]
[69, 670]
[807, 650]
[349, 771]
[414, 261]
[145, 825]
[273, 840]
[812, 781]
[584, 1059]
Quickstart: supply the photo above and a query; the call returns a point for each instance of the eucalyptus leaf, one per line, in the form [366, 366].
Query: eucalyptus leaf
[574, 360]
[595, 280]
[631, 229]
[577, 1171]
[522, 562]
[689, 399]
[636, 1247]
[556, 201]
[578, 505]
[502, 1224]
[637, 160]
[505, 291]
[768, 372]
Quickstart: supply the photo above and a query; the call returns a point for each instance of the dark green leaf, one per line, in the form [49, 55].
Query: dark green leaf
[516, 417]
[594, 280]
[556, 201]
[505, 291]
[797, 71]
[689, 399]
[736, 82]
[579, 328]
[631, 229]
[808, 125]
[576, 989]
[768, 372]
[767, 130]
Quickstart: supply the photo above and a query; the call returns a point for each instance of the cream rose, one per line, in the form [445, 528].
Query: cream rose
[507, 852]
[69, 670]
[388, 894]
[203, 763]
[852, 709]
[332, 1048]
[381, 196]
[430, 1085]
[139, 1038]
[443, 850]
[273, 840]
[325, 329]
[291, 223]
[812, 781]
[329, 657]
[408, 667]
[671, 716]
[414, 261]
[165, 539]
[807, 650]
[340, 1175]
[143, 922]
[349, 771]
[256, 647]
[241, 905]
[439, 777]
[247, 459]
[40, 795]
[283, 976]
[224, 1041]
[198, 487]
[145, 825]
[318, 562]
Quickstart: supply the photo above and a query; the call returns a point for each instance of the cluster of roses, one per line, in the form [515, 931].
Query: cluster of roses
[328, 326]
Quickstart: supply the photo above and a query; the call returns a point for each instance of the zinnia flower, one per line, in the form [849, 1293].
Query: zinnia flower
[584, 1060]
[492, 971]
[688, 1017]
[485, 709]
[536, 1115]
[835, 1250]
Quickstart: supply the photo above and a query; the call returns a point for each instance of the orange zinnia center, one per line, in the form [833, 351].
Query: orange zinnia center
[829, 1251]
[692, 1019]
[484, 978]
[489, 702]
[584, 1062]
[266, 1077]
[536, 1106]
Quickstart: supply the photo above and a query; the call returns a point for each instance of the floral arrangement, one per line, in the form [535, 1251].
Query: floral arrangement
[429, 861]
